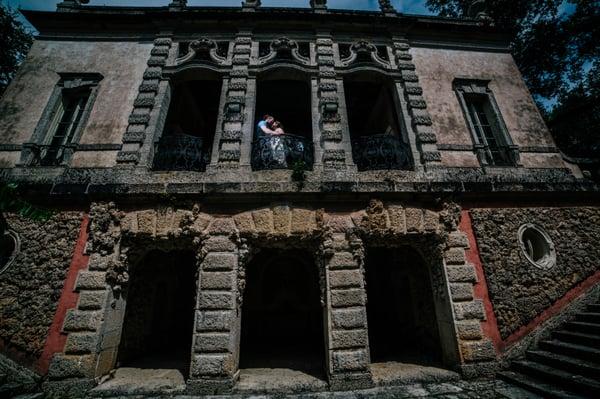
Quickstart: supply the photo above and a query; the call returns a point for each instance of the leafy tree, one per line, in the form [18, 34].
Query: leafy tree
[15, 41]
[558, 54]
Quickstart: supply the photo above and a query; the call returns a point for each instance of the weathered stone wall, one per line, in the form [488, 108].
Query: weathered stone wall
[518, 290]
[31, 287]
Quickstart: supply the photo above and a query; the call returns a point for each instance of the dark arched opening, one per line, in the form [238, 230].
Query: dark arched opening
[376, 130]
[286, 95]
[400, 309]
[189, 129]
[159, 316]
[282, 317]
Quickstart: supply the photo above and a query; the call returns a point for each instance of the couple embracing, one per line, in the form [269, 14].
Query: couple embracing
[269, 126]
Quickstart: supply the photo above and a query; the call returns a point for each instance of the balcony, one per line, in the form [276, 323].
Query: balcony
[282, 152]
[180, 152]
[47, 154]
[380, 152]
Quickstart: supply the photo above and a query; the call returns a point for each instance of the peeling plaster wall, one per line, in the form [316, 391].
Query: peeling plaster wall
[518, 290]
[121, 63]
[31, 287]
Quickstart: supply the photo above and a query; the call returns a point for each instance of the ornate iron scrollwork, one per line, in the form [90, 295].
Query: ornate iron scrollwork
[180, 152]
[281, 152]
[380, 151]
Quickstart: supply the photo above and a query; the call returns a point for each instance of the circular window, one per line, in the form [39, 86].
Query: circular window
[537, 246]
[9, 247]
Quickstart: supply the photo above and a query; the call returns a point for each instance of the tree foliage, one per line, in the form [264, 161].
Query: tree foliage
[556, 44]
[15, 41]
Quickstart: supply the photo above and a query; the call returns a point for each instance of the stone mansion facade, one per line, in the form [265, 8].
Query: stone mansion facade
[416, 210]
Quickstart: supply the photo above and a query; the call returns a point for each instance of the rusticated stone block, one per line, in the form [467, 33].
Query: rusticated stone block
[458, 239]
[340, 224]
[477, 351]
[215, 300]
[222, 226]
[282, 218]
[342, 260]
[77, 320]
[350, 360]
[71, 366]
[431, 220]
[213, 342]
[461, 291]
[397, 219]
[129, 223]
[461, 274]
[263, 221]
[343, 339]
[347, 298]
[455, 256]
[345, 278]
[92, 300]
[87, 280]
[214, 320]
[469, 330]
[219, 244]
[303, 221]
[469, 310]
[81, 343]
[214, 261]
[201, 222]
[414, 219]
[212, 365]
[244, 222]
[349, 318]
[147, 222]
[216, 280]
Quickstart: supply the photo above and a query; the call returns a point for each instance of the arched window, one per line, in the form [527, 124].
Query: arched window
[376, 129]
[189, 130]
[283, 93]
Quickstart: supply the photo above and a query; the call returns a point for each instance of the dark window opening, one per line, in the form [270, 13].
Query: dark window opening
[400, 308]
[344, 49]
[264, 49]
[488, 130]
[304, 49]
[282, 317]
[289, 102]
[189, 130]
[159, 317]
[383, 53]
[377, 139]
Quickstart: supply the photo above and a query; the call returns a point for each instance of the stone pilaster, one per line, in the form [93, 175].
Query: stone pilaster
[348, 346]
[139, 120]
[214, 356]
[330, 121]
[417, 107]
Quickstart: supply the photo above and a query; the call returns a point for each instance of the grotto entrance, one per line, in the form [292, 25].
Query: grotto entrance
[403, 331]
[159, 316]
[282, 336]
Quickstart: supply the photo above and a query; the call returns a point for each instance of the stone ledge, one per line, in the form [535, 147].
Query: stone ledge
[214, 321]
[349, 318]
[216, 261]
[87, 280]
[78, 320]
[216, 300]
[350, 360]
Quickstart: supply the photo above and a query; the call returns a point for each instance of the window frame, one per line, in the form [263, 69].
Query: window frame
[468, 89]
[35, 150]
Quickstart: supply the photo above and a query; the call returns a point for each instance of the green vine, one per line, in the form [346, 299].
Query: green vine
[10, 202]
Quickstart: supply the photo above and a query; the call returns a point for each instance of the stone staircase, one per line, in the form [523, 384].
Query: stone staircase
[565, 366]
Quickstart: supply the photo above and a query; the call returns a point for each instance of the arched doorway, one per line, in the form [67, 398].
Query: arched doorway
[401, 310]
[282, 316]
[159, 316]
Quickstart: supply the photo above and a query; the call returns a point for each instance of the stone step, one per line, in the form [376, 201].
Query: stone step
[565, 348]
[577, 338]
[581, 326]
[536, 386]
[567, 363]
[590, 317]
[573, 382]
[594, 308]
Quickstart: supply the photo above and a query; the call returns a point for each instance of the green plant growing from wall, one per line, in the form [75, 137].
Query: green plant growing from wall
[10, 202]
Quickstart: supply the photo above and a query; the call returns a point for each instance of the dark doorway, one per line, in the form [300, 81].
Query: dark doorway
[159, 317]
[289, 101]
[400, 308]
[282, 317]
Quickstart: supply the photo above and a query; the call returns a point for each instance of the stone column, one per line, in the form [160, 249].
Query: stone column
[417, 106]
[348, 344]
[216, 335]
[335, 140]
[140, 118]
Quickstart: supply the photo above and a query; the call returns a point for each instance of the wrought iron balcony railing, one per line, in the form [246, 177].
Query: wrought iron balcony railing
[282, 151]
[380, 151]
[180, 152]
